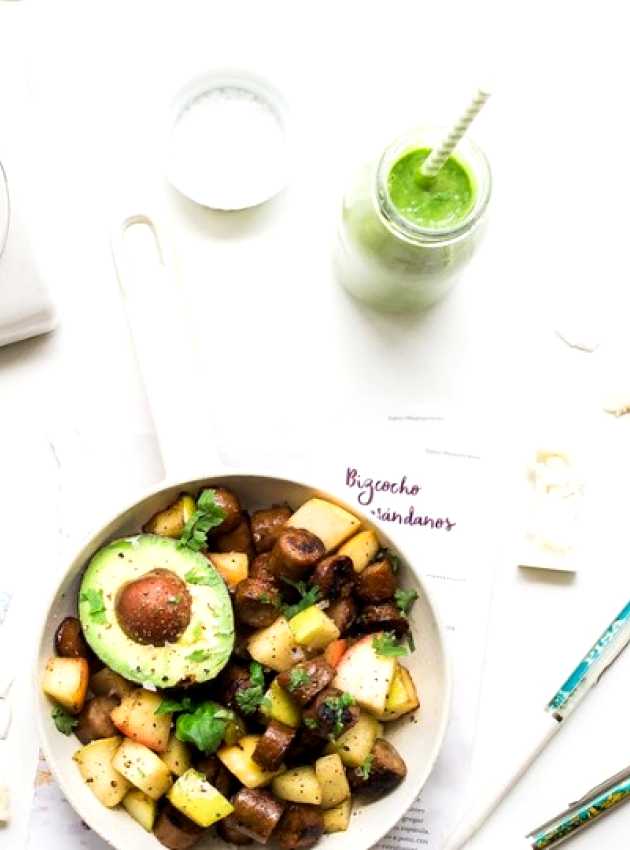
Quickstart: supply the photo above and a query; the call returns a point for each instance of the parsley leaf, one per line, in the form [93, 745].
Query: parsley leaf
[387, 645]
[64, 722]
[405, 599]
[208, 515]
[337, 707]
[310, 595]
[94, 598]
[199, 655]
[170, 706]
[204, 727]
[297, 678]
[365, 768]
[249, 699]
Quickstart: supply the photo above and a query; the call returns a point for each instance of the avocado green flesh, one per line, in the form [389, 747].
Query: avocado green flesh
[209, 637]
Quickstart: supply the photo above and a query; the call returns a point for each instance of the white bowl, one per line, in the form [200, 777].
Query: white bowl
[418, 742]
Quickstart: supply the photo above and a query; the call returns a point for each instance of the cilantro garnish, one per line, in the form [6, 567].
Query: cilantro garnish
[199, 655]
[207, 516]
[265, 599]
[297, 678]
[170, 706]
[311, 723]
[365, 768]
[405, 599]
[387, 645]
[64, 722]
[94, 599]
[337, 707]
[198, 575]
[310, 595]
[249, 699]
[204, 726]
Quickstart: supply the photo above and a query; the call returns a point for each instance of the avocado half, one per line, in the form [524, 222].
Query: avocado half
[203, 648]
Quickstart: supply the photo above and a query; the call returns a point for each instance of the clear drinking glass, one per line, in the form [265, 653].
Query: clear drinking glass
[391, 263]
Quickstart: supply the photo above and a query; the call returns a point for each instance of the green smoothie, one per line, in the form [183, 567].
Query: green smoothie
[434, 203]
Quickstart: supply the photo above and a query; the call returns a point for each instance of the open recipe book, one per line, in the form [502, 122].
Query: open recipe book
[430, 495]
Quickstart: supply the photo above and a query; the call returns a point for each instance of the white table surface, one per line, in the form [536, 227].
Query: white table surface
[355, 74]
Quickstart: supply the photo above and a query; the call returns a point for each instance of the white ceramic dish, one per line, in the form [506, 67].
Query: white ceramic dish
[418, 742]
[228, 140]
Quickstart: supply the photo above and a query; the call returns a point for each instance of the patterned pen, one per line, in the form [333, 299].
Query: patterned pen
[598, 659]
[594, 805]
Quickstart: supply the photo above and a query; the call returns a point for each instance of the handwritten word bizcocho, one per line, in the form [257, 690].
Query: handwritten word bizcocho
[368, 487]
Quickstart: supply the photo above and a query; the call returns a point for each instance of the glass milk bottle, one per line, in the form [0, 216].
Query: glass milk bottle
[389, 260]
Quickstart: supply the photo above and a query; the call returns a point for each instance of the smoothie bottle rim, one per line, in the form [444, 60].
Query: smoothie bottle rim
[409, 230]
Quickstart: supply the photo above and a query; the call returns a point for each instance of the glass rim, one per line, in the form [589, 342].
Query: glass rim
[407, 229]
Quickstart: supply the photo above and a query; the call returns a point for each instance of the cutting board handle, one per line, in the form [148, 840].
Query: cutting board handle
[177, 390]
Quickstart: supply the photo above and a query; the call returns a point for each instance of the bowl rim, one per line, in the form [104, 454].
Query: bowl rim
[77, 563]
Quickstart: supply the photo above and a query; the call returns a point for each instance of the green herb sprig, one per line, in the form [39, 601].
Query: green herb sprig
[64, 722]
[204, 726]
[365, 768]
[250, 699]
[94, 599]
[387, 645]
[298, 677]
[309, 596]
[405, 599]
[208, 515]
[337, 706]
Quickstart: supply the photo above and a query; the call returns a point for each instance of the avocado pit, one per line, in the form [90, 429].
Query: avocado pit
[155, 608]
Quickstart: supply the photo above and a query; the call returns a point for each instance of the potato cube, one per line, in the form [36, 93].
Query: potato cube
[281, 706]
[238, 760]
[141, 808]
[313, 629]
[298, 785]
[142, 768]
[171, 521]
[200, 801]
[135, 717]
[95, 765]
[233, 567]
[275, 646]
[66, 681]
[337, 819]
[325, 520]
[361, 549]
[356, 744]
[332, 779]
[401, 697]
[177, 756]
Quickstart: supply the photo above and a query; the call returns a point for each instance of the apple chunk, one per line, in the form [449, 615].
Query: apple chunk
[96, 768]
[142, 768]
[366, 675]
[66, 681]
[200, 801]
[325, 520]
[135, 717]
